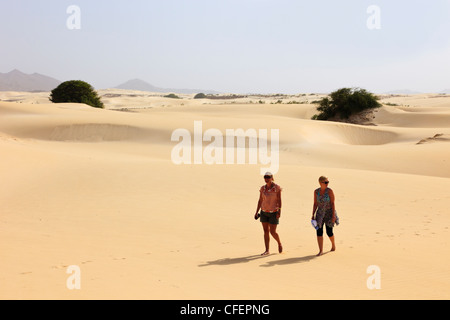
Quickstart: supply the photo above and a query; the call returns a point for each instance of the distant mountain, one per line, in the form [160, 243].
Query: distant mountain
[19, 81]
[137, 84]
[141, 85]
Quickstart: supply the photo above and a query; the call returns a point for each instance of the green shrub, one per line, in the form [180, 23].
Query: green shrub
[345, 102]
[76, 91]
[200, 96]
[172, 95]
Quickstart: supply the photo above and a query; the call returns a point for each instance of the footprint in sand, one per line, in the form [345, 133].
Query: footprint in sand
[60, 267]
[66, 266]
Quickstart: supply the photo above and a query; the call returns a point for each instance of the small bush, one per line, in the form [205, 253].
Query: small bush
[200, 96]
[172, 95]
[345, 102]
[76, 91]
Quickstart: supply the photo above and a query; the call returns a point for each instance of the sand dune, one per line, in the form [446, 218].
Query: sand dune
[94, 132]
[98, 189]
[411, 118]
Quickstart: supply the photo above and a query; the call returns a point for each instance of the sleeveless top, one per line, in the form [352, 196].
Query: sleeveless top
[270, 198]
[324, 213]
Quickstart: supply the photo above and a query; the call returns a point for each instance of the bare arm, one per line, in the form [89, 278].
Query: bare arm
[332, 197]
[259, 204]
[279, 205]
[314, 206]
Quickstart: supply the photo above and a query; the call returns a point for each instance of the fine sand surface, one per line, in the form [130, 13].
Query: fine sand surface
[98, 189]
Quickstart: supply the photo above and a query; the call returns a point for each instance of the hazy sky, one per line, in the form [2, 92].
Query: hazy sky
[241, 46]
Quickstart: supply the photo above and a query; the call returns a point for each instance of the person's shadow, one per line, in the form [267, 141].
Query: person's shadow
[289, 261]
[229, 261]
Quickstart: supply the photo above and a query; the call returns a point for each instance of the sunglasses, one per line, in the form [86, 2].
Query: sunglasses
[326, 182]
[267, 177]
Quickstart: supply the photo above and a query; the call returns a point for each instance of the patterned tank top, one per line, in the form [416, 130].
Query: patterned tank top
[324, 213]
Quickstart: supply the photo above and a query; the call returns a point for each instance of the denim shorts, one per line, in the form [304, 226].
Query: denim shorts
[270, 217]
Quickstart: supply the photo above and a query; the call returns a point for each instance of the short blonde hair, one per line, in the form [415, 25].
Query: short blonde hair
[322, 179]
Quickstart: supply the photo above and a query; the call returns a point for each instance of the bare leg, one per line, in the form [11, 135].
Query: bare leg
[333, 245]
[266, 237]
[273, 232]
[320, 242]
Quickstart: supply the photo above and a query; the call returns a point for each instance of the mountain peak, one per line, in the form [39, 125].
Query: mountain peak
[141, 85]
[137, 84]
[16, 71]
[16, 80]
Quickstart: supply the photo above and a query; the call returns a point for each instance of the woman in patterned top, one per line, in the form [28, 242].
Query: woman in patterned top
[270, 205]
[325, 212]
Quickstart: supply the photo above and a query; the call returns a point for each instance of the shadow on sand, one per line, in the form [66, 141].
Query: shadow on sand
[230, 261]
[289, 261]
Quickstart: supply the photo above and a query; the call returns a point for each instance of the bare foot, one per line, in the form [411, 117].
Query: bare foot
[319, 254]
[266, 253]
[333, 249]
[280, 248]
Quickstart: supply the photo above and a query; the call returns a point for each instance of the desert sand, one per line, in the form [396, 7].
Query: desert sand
[97, 189]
